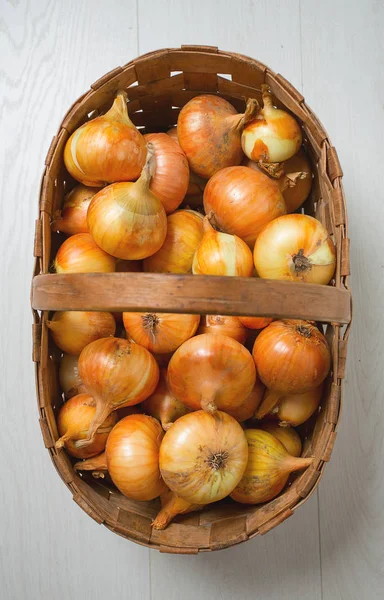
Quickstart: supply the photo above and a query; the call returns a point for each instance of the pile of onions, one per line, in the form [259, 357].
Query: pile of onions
[273, 136]
[163, 405]
[221, 254]
[106, 149]
[116, 373]
[132, 454]
[295, 248]
[225, 325]
[268, 468]
[255, 322]
[126, 219]
[211, 371]
[203, 456]
[288, 436]
[243, 201]
[184, 234]
[171, 174]
[73, 421]
[160, 332]
[73, 330]
[291, 356]
[209, 132]
[73, 216]
[69, 378]
[80, 254]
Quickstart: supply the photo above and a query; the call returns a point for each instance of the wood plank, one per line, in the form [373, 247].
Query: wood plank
[198, 294]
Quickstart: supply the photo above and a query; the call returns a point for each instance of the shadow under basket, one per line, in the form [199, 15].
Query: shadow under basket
[158, 85]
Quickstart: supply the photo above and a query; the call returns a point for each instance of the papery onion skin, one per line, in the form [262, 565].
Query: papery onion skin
[295, 195]
[273, 136]
[73, 330]
[160, 332]
[221, 254]
[211, 371]
[132, 453]
[255, 322]
[298, 408]
[107, 149]
[243, 201]
[288, 436]
[230, 326]
[248, 408]
[209, 132]
[73, 421]
[203, 456]
[69, 378]
[97, 464]
[80, 254]
[295, 248]
[171, 175]
[163, 405]
[126, 219]
[184, 233]
[268, 468]
[291, 356]
[72, 218]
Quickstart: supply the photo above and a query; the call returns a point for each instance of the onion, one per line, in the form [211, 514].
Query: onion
[80, 254]
[196, 183]
[126, 219]
[116, 373]
[211, 371]
[172, 132]
[273, 136]
[292, 357]
[73, 421]
[247, 409]
[73, 216]
[171, 175]
[288, 436]
[172, 505]
[255, 322]
[230, 326]
[296, 409]
[295, 248]
[163, 405]
[106, 149]
[243, 201]
[133, 457]
[203, 456]
[96, 464]
[69, 378]
[221, 254]
[160, 332]
[184, 233]
[209, 132]
[73, 330]
[268, 468]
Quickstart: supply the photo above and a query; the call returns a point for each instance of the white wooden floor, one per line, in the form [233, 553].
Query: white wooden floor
[333, 51]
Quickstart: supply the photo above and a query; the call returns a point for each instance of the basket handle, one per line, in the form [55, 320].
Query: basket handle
[202, 294]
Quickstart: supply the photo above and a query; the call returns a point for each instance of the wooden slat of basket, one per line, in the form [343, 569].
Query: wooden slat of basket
[194, 294]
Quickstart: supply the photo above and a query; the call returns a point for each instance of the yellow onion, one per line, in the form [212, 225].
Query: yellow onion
[291, 357]
[73, 330]
[247, 409]
[106, 149]
[69, 378]
[221, 254]
[203, 456]
[211, 371]
[171, 506]
[196, 183]
[296, 409]
[126, 219]
[269, 466]
[73, 421]
[96, 464]
[243, 201]
[288, 436]
[255, 322]
[80, 254]
[273, 136]
[295, 248]
[209, 132]
[132, 453]
[160, 332]
[184, 233]
[171, 174]
[230, 326]
[116, 373]
[163, 405]
[73, 216]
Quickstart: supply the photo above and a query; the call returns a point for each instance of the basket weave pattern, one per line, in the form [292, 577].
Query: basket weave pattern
[158, 84]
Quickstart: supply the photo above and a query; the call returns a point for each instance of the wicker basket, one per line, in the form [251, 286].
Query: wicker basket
[158, 84]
